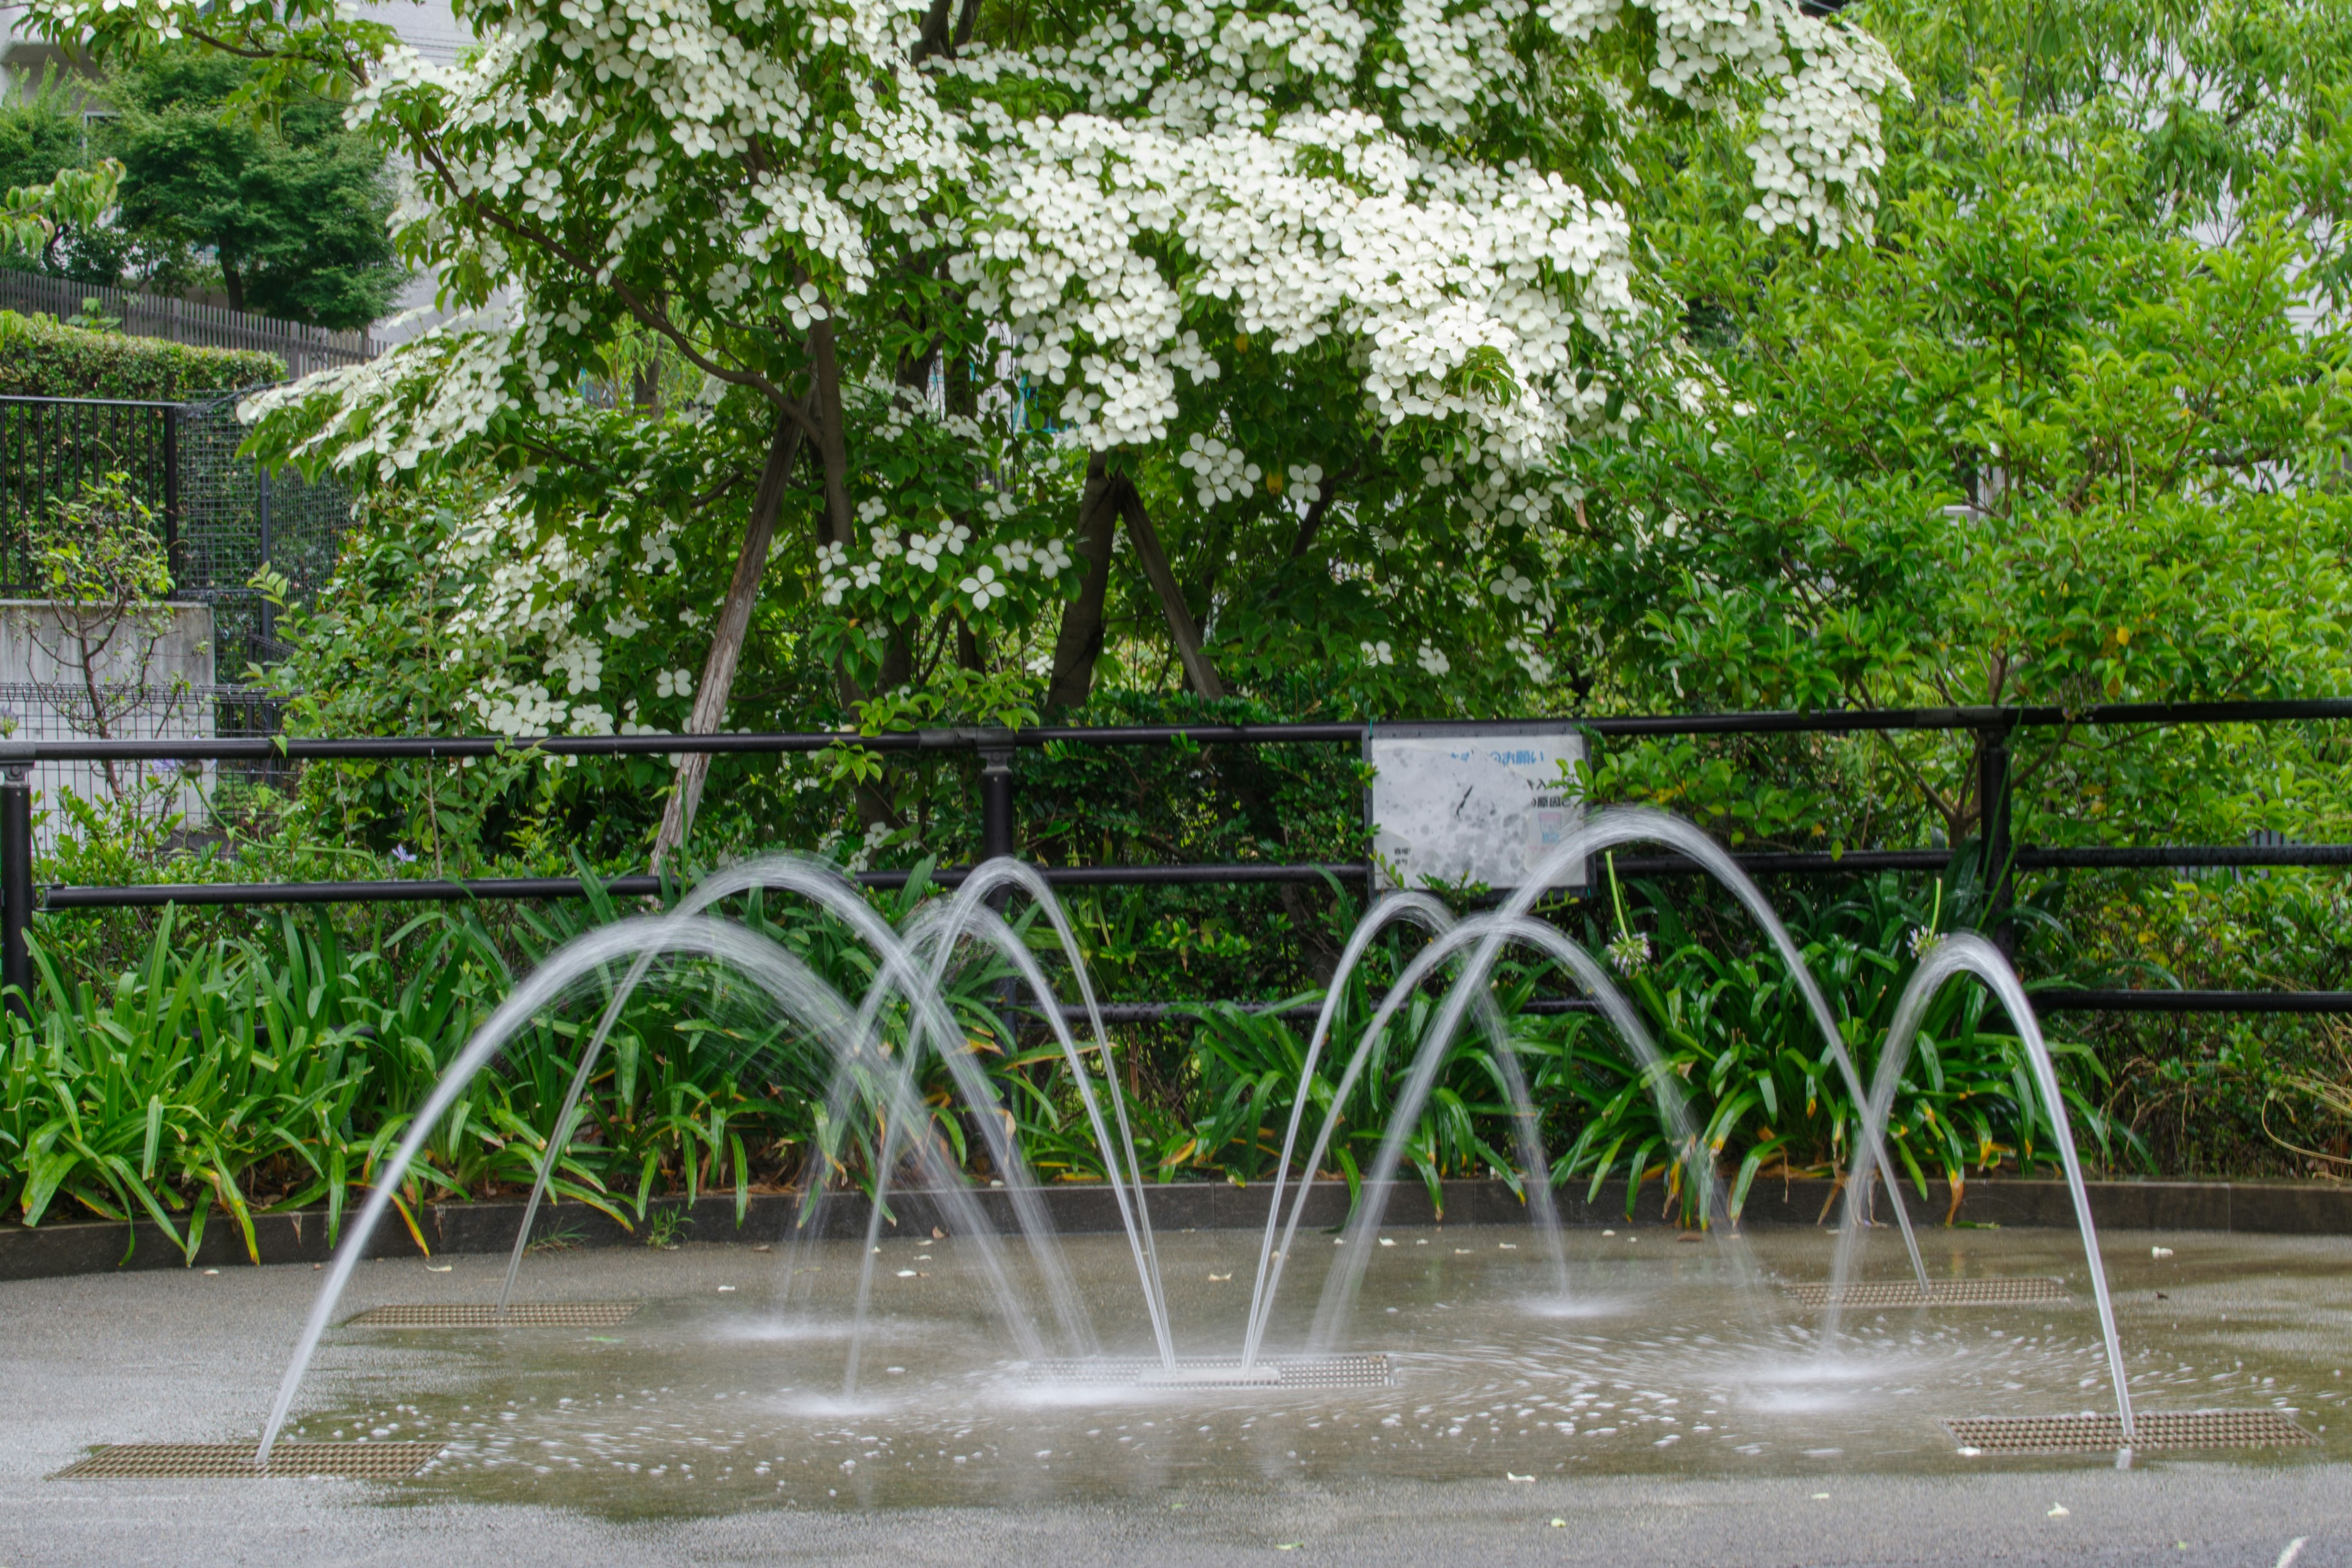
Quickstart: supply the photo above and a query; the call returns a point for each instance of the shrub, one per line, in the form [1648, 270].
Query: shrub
[40, 357]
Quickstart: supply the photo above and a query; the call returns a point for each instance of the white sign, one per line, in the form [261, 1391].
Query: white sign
[1457, 806]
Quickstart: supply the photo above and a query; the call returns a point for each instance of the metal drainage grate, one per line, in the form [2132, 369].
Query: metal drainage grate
[236, 1462]
[2150, 1429]
[1324, 1372]
[520, 1315]
[1939, 1293]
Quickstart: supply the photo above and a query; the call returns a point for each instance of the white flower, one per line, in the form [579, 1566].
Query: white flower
[981, 587]
[1629, 954]
[1513, 585]
[1434, 662]
[1220, 472]
[1531, 659]
[1377, 653]
[673, 683]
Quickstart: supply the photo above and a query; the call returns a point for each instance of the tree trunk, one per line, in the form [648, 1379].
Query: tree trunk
[727, 638]
[1079, 642]
[832, 441]
[1198, 670]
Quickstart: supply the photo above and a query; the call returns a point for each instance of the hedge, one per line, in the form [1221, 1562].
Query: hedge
[41, 358]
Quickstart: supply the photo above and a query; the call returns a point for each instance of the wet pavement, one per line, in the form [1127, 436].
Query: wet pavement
[1675, 1405]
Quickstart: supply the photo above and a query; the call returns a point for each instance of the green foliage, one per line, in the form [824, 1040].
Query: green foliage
[40, 132]
[163, 1095]
[290, 208]
[242, 1075]
[2065, 431]
[1763, 1093]
[33, 217]
[1250, 1076]
[103, 548]
[40, 358]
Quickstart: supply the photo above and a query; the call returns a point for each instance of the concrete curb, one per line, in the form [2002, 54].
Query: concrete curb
[2264, 1208]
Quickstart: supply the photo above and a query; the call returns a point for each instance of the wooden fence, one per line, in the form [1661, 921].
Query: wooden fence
[304, 348]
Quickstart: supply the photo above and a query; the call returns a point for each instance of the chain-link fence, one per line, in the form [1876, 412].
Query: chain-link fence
[52, 447]
[152, 791]
[236, 517]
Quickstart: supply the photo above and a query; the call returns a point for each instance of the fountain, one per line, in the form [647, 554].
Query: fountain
[879, 1044]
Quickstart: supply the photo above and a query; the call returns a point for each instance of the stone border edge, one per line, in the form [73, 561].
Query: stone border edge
[2262, 1209]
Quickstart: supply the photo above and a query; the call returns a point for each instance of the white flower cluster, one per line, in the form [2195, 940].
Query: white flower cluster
[507, 709]
[982, 587]
[1220, 472]
[1531, 658]
[840, 576]
[1461, 284]
[924, 550]
[1817, 150]
[1050, 559]
[1299, 169]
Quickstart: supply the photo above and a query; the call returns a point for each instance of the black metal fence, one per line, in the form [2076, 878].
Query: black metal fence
[223, 518]
[51, 449]
[2000, 861]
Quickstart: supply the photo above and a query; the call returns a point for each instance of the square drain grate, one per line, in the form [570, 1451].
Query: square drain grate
[1939, 1293]
[520, 1315]
[1324, 1372]
[235, 1461]
[2150, 1429]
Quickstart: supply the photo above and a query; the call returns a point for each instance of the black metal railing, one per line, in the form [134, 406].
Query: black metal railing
[222, 517]
[52, 447]
[1999, 862]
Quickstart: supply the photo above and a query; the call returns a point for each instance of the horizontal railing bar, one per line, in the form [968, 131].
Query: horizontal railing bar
[89, 401]
[2056, 1000]
[1796, 865]
[2157, 855]
[1338, 731]
[2142, 857]
[153, 894]
[422, 748]
[2049, 1001]
[1157, 1012]
[1230, 874]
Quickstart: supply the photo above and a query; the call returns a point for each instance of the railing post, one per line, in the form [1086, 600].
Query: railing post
[997, 835]
[1996, 853]
[17, 874]
[172, 492]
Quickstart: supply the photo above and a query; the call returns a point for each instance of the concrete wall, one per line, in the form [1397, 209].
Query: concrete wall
[42, 698]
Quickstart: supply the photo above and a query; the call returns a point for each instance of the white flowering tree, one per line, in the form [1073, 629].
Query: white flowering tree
[1292, 305]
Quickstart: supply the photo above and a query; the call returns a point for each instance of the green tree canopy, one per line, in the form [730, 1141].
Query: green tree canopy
[292, 207]
[2071, 428]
